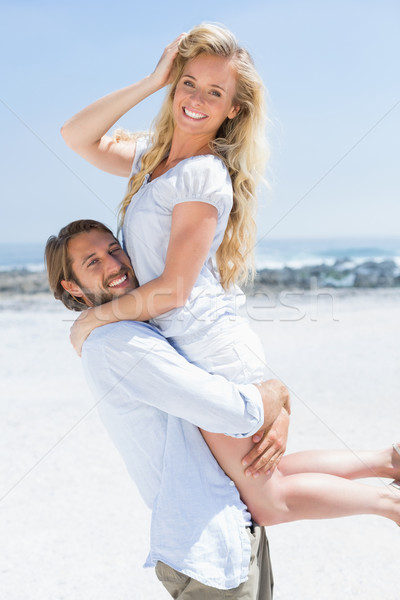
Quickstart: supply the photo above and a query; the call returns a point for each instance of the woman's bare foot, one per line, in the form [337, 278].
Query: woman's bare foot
[388, 465]
[394, 488]
[395, 461]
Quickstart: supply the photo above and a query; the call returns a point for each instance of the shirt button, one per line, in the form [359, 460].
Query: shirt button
[232, 483]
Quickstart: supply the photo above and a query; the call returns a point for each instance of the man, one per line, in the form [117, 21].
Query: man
[202, 538]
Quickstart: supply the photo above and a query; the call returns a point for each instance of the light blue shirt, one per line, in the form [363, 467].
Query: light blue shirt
[152, 402]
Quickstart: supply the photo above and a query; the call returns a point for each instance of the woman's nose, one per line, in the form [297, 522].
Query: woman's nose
[197, 96]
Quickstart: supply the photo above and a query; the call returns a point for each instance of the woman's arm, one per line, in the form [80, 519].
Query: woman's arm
[192, 232]
[86, 131]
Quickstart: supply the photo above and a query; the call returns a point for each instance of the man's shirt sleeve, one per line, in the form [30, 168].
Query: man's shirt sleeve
[130, 362]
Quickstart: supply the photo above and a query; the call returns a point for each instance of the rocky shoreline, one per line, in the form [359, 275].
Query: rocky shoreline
[22, 281]
[342, 275]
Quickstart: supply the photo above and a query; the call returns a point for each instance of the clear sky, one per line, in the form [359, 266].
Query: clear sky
[331, 69]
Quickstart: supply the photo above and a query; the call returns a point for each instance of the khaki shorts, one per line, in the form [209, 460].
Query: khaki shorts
[258, 586]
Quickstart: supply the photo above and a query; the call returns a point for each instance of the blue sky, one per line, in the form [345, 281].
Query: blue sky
[331, 69]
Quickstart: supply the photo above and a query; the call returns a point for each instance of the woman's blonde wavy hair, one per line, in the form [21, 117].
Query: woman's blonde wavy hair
[240, 143]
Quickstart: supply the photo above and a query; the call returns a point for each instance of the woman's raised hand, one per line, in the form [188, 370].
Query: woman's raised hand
[163, 71]
[86, 132]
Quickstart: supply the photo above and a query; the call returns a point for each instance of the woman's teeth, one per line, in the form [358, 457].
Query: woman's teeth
[117, 281]
[194, 115]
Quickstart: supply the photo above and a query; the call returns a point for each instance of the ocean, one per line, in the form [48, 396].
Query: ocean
[297, 253]
[22, 256]
[270, 253]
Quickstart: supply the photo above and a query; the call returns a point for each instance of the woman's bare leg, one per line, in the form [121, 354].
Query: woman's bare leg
[289, 495]
[344, 463]
[323, 496]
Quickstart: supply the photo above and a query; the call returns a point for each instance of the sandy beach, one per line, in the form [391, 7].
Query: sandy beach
[73, 526]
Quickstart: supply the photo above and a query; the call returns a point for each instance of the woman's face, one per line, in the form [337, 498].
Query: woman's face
[204, 96]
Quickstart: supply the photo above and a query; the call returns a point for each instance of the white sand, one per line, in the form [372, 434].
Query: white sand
[72, 525]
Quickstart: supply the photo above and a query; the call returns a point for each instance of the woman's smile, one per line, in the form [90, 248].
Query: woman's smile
[193, 114]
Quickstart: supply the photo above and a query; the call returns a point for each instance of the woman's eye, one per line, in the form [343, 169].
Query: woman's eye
[92, 262]
[188, 83]
[215, 93]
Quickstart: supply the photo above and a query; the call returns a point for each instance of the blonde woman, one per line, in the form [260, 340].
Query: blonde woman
[191, 196]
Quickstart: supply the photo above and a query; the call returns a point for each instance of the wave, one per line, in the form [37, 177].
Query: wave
[296, 254]
[23, 257]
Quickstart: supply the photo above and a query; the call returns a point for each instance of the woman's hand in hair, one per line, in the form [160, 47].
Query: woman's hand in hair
[163, 72]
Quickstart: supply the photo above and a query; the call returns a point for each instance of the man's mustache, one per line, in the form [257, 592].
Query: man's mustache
[123, 271]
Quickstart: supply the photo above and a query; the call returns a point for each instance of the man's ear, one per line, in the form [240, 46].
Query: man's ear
[72, 288]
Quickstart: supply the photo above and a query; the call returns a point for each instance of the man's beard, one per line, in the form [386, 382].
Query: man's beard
[104, 294]
[100, 297]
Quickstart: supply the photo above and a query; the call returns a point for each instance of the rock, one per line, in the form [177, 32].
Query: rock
[23, 282]
[342, 274]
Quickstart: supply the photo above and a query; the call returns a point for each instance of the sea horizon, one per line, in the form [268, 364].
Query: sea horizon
[272, 253]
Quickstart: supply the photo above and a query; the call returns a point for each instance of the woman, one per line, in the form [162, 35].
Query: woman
[191, 196]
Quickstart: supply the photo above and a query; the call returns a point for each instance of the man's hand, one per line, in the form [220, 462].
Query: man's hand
[270, 446]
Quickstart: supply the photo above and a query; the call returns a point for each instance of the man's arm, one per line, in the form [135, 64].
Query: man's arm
[132, 362]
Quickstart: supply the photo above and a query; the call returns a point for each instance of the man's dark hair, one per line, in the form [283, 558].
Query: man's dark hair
[58, 262]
